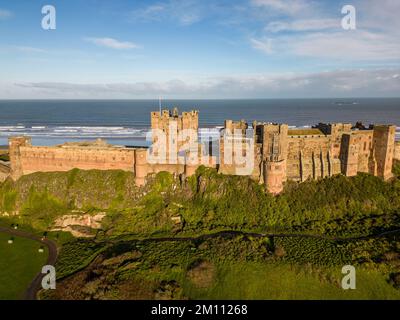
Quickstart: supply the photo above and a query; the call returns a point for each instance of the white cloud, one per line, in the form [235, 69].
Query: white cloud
[316, 32]
[382, 15]
[5, 14]
[351, 46]
[290, 7]
[112, 43]
[303, 25]
[339, 83]
[355, 46]
[19, 48]
[28, 49]
[185, 12]
[152, 12]
[264, 45]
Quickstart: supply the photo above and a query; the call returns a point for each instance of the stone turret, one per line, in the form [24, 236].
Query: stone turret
[167, 121]
[384, 148]
[274, 151]
[141, 166]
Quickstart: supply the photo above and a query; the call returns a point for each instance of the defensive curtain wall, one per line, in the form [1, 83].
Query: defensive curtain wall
[269, 153]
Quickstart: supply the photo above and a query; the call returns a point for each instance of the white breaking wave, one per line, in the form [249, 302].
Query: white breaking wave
[93, 132]
[73, 131]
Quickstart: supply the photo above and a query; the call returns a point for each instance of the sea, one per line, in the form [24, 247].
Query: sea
[125, 122]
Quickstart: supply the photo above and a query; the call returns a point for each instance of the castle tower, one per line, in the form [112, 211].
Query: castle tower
[234, 136]
[174, 126]
[336, 153]
[15, 154]
[349, 155]
[179, 145]
[384, 147]
[274, 149]
[141, 166]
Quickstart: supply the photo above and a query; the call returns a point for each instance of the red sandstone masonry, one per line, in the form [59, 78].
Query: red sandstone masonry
[279, 154]
[397, 151]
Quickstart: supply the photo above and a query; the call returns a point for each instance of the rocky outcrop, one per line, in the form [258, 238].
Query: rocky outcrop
[79, 225]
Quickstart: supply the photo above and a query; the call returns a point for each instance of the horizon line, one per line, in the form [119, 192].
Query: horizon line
[204, 99]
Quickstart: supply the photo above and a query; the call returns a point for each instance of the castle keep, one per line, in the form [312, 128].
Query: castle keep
[278, 153]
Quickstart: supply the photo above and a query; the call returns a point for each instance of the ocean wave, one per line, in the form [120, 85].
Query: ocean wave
[73, 131]
[93, 132]
[3, 128]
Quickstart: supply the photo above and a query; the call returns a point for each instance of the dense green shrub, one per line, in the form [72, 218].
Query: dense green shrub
[208, 202]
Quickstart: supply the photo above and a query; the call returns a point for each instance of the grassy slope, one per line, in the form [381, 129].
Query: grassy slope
[209, 202]
[42, 197]
[19, 263]
[249, 280]
[240, 268]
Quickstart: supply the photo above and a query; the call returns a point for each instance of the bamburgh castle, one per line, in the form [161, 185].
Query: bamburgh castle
[279, 152]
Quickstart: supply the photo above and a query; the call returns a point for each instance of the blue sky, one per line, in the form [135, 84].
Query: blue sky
[199, 49]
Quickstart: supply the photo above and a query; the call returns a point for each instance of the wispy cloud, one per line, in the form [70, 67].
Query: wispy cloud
[303, 25]
[264, 45]
[382, 15]
[5, 14]
[28, 49]
[354, 46]
[297, 31]
[21, 49]
[149, 13]
[291, 7]
[185, 12]
[342, 46]
[112, 43]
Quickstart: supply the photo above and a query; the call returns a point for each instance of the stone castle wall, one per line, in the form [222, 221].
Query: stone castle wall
[309, 157]
[279, 153]
[26, 159]
[64, 159]
[397, 151]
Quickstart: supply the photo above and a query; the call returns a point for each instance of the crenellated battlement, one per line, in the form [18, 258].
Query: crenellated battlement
[277, 153]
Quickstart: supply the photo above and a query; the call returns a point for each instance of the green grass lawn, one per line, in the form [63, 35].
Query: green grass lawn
[19, 263]
[283, 281]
